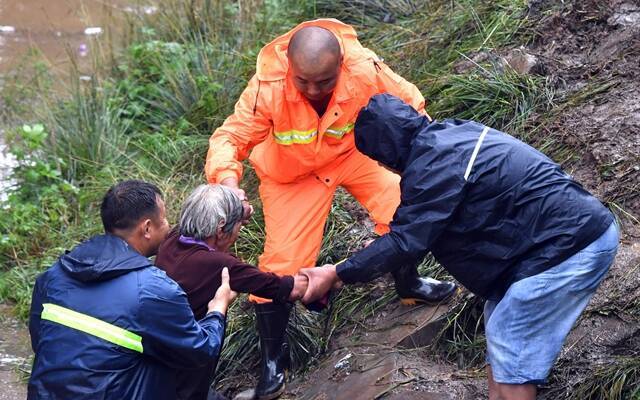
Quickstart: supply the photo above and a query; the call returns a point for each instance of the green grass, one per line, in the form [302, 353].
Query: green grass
[461, 340]
[617, 379]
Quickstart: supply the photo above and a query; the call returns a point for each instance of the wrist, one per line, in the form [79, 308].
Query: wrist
[219, 307]
[230, 182]
[334, 273]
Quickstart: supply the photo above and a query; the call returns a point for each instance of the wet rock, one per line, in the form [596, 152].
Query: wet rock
[404, 327]
[471, 62]
[369, 375]
[626, 15]
[248, 394]
[383, 359]
[521, 61]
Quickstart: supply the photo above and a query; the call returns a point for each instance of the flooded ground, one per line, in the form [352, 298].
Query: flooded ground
[57, 27]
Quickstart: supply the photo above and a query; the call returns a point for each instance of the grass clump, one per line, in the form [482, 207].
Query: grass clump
[617, 381]
[462, 340]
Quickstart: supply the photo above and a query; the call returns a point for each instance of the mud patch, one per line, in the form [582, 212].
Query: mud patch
[14, 354]
[591, 49]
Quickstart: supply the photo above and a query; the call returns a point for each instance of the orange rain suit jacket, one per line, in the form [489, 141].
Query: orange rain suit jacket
[288, 139]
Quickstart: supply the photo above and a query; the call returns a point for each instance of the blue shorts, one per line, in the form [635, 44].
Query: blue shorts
[526, 329]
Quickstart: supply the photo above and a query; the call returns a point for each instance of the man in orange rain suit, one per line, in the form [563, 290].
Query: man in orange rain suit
[297, 115]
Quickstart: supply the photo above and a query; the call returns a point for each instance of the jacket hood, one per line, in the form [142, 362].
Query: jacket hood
[102, 258]
[385, 129]
[273, 64]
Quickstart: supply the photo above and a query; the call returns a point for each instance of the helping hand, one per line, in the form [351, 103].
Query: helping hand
[321, 280]
[224, 295]
[232, 183]
[300, 285]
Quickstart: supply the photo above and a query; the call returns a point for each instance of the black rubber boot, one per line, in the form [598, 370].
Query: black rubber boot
[413, 289]
[271, 320]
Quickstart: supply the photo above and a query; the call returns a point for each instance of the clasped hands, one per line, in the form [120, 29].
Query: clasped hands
[311, 284]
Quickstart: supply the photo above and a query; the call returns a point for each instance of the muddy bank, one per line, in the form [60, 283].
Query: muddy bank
[15, 353]
[591, 50]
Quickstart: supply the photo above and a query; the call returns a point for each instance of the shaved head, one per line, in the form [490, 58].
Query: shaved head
[313, 45]
[315, 59]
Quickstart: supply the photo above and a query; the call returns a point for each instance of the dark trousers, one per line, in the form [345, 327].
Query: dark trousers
[195, 384]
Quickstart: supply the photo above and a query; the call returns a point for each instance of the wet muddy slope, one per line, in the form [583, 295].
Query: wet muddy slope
[591, 49]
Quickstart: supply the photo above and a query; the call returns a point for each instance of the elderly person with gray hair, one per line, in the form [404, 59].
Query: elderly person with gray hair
[194, 255]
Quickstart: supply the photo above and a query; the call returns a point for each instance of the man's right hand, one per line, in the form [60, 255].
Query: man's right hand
[321, 280]
[232, 183]
[224, 295]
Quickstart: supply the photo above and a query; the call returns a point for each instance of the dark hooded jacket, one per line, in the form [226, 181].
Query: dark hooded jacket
[105, 279]
[505, 214]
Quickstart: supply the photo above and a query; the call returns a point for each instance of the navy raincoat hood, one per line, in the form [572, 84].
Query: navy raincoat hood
[490, 208]
[105, 279]
[102, 258]
[372, 131]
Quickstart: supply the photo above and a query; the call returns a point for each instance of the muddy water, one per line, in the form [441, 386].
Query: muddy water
[58, 29]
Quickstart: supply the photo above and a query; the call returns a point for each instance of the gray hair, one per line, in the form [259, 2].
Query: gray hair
[207, 207]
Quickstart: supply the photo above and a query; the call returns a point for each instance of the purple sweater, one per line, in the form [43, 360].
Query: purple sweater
[197, 269]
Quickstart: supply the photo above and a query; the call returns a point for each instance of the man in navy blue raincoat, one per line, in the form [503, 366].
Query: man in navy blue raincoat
[106, 324]
[501, 217]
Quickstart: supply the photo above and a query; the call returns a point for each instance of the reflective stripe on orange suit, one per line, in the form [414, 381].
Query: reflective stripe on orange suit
[301, 158]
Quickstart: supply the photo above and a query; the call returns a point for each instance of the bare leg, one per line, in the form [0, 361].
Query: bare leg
[493, 390]
[504, 391]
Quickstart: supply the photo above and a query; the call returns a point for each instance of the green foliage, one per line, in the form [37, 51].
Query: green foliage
[426, 38]
[88, 130]
[495, 96]
[41, 197]
[462, 339]
[435, 45]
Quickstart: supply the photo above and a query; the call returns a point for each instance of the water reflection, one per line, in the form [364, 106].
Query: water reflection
[55, 26]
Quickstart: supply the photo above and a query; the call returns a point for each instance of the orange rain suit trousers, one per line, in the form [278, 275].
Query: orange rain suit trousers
[295, 213]
[301, 158]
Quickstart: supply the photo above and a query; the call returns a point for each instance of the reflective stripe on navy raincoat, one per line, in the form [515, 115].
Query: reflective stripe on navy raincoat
[80, 358]
[490, 208]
